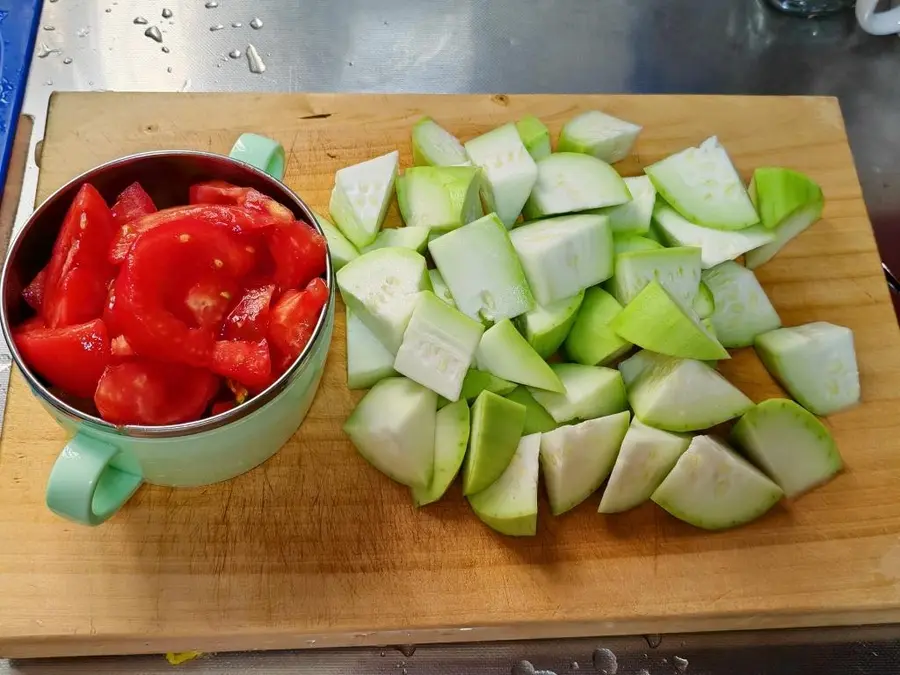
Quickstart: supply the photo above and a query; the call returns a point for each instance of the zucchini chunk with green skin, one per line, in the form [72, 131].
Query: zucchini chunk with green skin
[393, 428]
[789, 444]
[477, 381]
[646, 457]
[598, 134]
[438, 346]
[779, 193]
[535, 136]
[676, 269]
[505, 353]
[742, 309]
[716, 246]
[440, 288]
[451, 435]
[482, 270]
[592, 341]
[509, 171]
[790, 228]
[442, 198]
[655, 320]
[339, 247]
[633, 217]
[705, 303]
[637, 364]
[497, 425]
[684, 395]
[714, 488]
[368, 361]
[537, 420]
[361, 196]
[623, 243]
[510, 504]
[590, 392]
[564, 255]
[381, 287]
[703, 186]
[815, 363]
[546, 328]
[568, 182]
[413, 238]
[433, 145]
[577, 458]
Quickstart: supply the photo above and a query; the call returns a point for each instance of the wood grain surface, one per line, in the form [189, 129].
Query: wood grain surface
[316, 548]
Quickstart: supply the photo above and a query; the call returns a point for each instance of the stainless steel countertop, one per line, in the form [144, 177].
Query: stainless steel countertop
[544, 46]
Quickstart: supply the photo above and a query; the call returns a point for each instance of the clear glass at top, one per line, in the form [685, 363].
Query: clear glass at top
[811, 7]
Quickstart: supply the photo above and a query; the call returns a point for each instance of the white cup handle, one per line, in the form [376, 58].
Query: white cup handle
[877, 23]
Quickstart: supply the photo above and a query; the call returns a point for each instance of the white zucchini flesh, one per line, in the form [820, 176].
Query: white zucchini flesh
[633, 217]
[684, 395]
[361, 196]
[339, 247]
[413, 238]
[624, 243]
[595, 133]
[564, 255]
[451, 435]
[535, 136]
[497, 425]
[441, 198]
[705, 303]
[381, 288]
[435, 146]
[577, 458]
[716, 246]
[537, 420]
[482, 270]
[438, 346]
[368, 361]
[510, 505]
[676, 269]
[714, 488]
[789, 444]
[393, 428]
[784, 233]
[742, 308]
[546, 328]
[646, 457]
[637, 364]
[815, 363]
[440, 288]
[590, 391]
[568, 182]
[509, 171]
[703, 186]
[505, 353]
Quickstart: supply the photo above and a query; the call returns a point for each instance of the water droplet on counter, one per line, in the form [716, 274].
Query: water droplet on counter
[167, 13]
[654, 640]
[406, 650]
[84, 32]
[680, 663]
[52, 0]
[575, 665]
[254, 60]
[186, 85]
[643, 671]
[256, 23]
[108, 10]
[169, 69]
[49, 83]
[212, 4]
[218, 26]
[45, 50]
[235, 53]
[67, 60]
[153, 33]
[165, 50]
[523, 668]
[140, 21]
[49, 27]
[382, 654]
[236, 24]
[605, 662]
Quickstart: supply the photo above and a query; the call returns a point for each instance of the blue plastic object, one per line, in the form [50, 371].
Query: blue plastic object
[18, 27]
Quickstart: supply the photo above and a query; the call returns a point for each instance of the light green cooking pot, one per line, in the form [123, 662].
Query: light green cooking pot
[103, 465]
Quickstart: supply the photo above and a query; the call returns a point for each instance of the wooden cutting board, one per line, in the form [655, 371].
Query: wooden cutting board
[315, 548]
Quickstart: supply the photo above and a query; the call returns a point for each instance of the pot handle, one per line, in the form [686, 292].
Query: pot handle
[87, 484]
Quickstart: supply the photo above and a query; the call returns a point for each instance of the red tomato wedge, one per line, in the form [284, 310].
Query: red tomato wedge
[119, 349]
[79, 274]
[205, 302]
[299, 253]
[222, 406]
[220, 192]
[246, 362]
[72, 357]
[34, 291]
[172, 256]
[293, 321]
[233, 218]
[141, 391]
[249, 320]
[133, 203]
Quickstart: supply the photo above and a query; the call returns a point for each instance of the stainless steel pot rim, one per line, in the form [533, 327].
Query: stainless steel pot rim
[188, 428]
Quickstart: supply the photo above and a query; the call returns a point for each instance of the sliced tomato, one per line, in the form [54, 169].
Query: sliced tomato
[220, 192]
[249, 320]
[206, 302]
[245, 362]
[30, 324]
[299, 253]
[132, 203]
[142, 391]
[71, 357]
[233, 218]
[109, 312]
[171, 256]
[34, 291]
[119, 349]
[222, 406]
[293, 321]
[78, 274]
